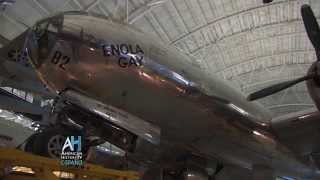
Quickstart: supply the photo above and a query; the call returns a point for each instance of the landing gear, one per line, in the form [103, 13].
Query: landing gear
[72, 120]
[49, 143]
[55, 145]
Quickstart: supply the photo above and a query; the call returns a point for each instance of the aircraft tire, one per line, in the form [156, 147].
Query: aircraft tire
[49, 143]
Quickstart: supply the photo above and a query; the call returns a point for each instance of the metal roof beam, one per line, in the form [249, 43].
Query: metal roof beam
[140, 12]
[103, 10]
[258, 59]
[4, 40]
[18, 23]
[236, 15]
[41, 7]
[92, 5]
[252, 41]
[78, 4]
[270, 81]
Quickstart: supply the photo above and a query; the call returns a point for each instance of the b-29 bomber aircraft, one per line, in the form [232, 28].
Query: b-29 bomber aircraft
[112, 81]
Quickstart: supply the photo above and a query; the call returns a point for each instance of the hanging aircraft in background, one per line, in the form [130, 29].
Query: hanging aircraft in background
[113, 82]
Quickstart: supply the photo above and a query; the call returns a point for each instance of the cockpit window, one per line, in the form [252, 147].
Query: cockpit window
[46, 33]
[53, 25]
[52, 28]
[75, 26]
[40, 29]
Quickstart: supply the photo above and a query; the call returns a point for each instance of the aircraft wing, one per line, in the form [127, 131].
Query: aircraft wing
[300, 131]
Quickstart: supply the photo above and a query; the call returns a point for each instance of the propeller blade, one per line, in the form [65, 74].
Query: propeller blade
[313, 31]
[311, 26]
[277, 87]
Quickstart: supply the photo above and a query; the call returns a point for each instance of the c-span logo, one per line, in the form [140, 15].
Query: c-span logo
[71, 154]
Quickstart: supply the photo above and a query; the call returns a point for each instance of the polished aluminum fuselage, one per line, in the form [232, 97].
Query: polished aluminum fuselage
[121, 66]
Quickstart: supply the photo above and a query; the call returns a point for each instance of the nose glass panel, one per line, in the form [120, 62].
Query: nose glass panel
[43, 38]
